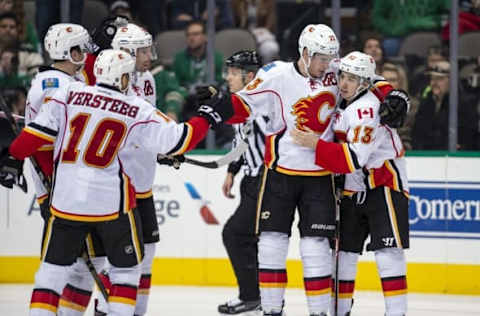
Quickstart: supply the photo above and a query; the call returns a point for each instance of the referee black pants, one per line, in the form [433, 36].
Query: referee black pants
[241, 242]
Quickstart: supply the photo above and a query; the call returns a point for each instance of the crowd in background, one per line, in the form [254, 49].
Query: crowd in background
[380, 28]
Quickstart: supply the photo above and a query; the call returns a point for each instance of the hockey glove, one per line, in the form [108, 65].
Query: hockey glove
[173, 161]
[205, 94]
[102, 35]
[393, 110]
[11, 171]
[219, 111]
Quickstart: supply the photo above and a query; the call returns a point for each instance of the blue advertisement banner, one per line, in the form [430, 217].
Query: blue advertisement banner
[444, 209]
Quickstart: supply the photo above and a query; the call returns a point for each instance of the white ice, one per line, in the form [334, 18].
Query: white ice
[203, 301]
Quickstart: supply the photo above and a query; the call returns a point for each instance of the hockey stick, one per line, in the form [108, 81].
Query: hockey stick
[225, 160]
[95, 276]
[233, 155]
[338, 197]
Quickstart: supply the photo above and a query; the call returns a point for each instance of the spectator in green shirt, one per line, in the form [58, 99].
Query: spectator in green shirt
[190, 65]
[170, 95]
[396, 19]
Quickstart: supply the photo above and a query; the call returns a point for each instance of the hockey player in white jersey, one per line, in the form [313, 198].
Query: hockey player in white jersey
[92, 129]
[66, 45]
[372, 156]
[138, 43]
[302, 94]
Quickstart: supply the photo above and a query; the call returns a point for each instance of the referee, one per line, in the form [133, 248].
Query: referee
[238, 233]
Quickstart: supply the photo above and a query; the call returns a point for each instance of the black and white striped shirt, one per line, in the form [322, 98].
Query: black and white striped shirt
[252, 158]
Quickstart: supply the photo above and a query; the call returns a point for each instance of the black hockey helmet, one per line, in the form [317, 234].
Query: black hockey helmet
[248, 60]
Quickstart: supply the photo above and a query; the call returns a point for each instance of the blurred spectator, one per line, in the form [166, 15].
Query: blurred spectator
[8, 30]
[26, 30]
[121, 8]
[28, 61]
[398, 79]
[420, 78]
[185, 11]
[372, 45]
[430, 131]
[260, 17]
[470, 79]
[170, 95]
[468, 19]
[10, 77]
[48, 13]
[190, 65]
[15, 98]
[396, 19]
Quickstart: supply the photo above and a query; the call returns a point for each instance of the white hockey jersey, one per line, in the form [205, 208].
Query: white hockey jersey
[43, 86]
[375, 151]
[290, 101]
[143, 86]
[98, 128]
[142, 167]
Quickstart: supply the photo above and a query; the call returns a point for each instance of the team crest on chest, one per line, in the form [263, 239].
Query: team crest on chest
[329, 79]
[314, 112]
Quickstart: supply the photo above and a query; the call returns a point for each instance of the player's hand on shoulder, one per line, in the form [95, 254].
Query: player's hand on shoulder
[172, 161]
[393, 111]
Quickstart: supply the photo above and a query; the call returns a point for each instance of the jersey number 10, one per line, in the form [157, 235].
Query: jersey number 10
[103, 144]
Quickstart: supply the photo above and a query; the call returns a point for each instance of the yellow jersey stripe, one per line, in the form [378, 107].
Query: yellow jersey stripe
[393, 216]
[39, 134]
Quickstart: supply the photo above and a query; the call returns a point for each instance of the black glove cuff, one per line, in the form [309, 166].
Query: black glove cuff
[401, 94]
[208, 112]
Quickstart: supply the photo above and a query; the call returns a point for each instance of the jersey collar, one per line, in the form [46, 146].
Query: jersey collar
[47, 68]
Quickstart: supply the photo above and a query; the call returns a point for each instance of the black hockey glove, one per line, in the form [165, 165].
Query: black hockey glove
[103, 34]
[173, 161]
[206, 94]
[393, 110]
[219, 111]
[11, 171]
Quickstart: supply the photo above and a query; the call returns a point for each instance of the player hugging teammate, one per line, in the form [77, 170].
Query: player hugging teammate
[299, 96]
[95, 149]
[371, 155]
[102, 146]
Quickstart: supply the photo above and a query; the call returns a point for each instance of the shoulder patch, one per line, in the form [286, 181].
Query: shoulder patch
[254, 84]
[50, 83]
[269, 66]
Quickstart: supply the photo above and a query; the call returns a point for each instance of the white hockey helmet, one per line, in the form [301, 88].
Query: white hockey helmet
[130, 38]
[318, 38]
[62, 37]
[111, 65]
[359, 64]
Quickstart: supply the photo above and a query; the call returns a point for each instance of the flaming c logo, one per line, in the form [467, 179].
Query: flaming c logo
[314, 112]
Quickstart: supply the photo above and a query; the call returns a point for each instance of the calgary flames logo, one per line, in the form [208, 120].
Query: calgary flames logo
[314, 112]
